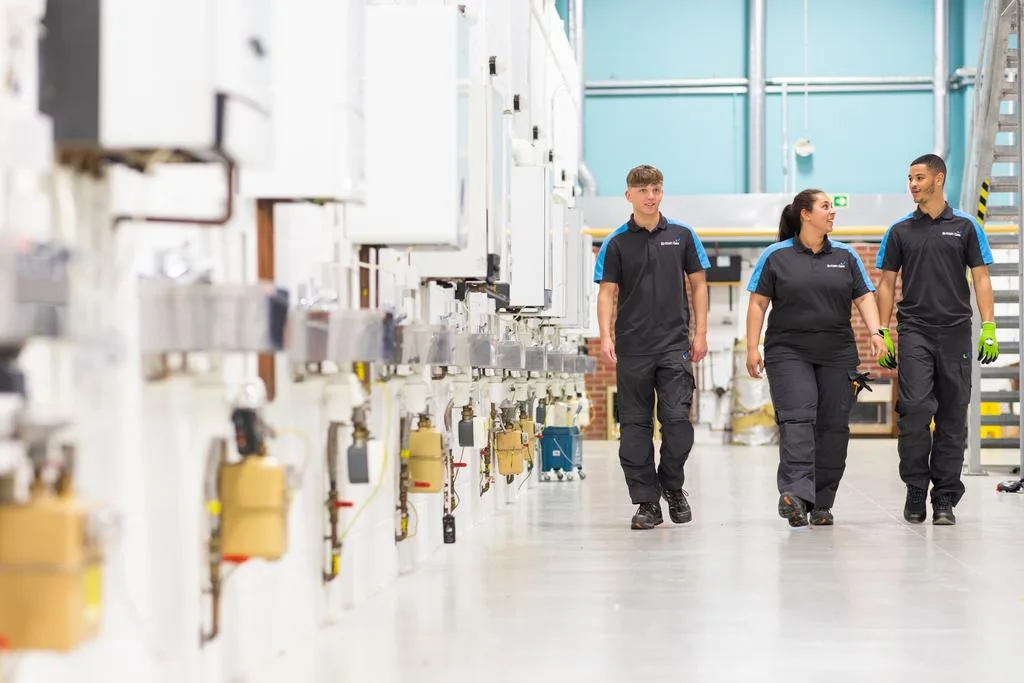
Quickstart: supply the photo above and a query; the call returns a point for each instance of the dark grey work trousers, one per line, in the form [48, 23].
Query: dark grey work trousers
[934, 366]
[812, 408]
[670, 374]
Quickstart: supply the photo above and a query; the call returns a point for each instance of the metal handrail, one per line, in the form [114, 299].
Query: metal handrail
[985, 115]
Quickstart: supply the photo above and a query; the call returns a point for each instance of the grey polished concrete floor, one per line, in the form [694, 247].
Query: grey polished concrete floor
[559, 589]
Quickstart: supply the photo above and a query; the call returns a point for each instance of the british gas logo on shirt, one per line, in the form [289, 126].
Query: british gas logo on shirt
[950, 234]
[670, 244]
[835, 265]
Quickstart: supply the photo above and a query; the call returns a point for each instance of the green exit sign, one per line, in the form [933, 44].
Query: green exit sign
[840, 201]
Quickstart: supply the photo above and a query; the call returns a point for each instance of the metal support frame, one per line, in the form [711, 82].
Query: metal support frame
[940, 78]
[756, 101]
[982, 141]
[986, 121]
[576, 38]
[597, 87]
[1020, 223]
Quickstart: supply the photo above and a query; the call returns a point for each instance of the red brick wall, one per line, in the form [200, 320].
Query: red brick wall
[598, 383]
[868, 254]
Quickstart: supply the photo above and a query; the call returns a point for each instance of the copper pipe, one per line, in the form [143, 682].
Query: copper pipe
[215, 460]
[485, 454]
[265, 253]
[216, 585]
[65, 480]
[332, 502]
[217, 221]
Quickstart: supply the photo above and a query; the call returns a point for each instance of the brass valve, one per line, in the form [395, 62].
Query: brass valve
[511, 447]
[426, 458]
[50, 570]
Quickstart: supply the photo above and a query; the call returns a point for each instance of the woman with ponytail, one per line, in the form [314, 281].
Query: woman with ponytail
[811, 358]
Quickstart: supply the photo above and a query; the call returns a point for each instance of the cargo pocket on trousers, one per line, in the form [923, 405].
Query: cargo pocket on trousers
[963, 395]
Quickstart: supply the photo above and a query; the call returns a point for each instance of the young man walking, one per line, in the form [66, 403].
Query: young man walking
[934, 246]
[641, 269]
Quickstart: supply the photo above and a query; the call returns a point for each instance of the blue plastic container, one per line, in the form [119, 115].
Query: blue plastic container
[561, 452]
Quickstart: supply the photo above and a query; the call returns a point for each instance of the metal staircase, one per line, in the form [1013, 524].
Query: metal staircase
[992, 184]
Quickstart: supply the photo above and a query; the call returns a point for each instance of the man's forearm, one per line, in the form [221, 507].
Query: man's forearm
[605, 309]
[886, 298]
[985, 298]
[700, 308]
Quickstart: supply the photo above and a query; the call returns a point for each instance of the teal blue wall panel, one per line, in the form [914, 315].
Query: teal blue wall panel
[660, 39]
[862, 38]
[863, 141]
[699, 142]
[857, 147]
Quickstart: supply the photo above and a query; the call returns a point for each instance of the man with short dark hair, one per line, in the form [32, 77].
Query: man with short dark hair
[641, 268]
[934, 246]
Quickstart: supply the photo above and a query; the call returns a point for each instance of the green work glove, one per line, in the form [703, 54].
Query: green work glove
[988, 347]
[888, 359]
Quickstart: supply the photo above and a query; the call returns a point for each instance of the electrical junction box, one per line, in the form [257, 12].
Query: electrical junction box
[529, 428]
[529, 271]
[26, 136]
[318, 70]
[557, 264]
[472, 433]
[520, 23]
[126, 77]
[486, 198]
[590, 289]
[417, 127]
[498, 39]
[576, 277]
[724, 268]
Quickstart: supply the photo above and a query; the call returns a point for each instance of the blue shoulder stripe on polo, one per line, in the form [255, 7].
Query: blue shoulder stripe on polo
[756, 277]
[885, 239]
[986, 250]
[860, 263]
[599, 263]
[698, 245]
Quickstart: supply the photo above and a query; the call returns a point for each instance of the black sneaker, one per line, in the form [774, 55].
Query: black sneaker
[822, 517]
[914, 510]
[647, 516]
[942, 511]
[793, 508]
[678, 507]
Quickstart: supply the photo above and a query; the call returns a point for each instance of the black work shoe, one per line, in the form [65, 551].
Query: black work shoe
[822, 517]
[678, 507]
[793, 508]
[914, 510]
[647, 516]
[942, 511]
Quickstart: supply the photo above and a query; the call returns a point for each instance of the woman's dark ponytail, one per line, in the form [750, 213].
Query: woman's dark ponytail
[789, 222]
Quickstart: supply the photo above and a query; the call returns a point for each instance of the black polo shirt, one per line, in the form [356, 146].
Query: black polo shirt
[811, 297]
[649, 267]
[934, 254]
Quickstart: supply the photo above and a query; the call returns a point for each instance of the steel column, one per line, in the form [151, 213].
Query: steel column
[1019, 113]
[940, 78]
[756, 97]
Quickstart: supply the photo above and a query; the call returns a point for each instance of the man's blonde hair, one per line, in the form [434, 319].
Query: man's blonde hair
[644, 175]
